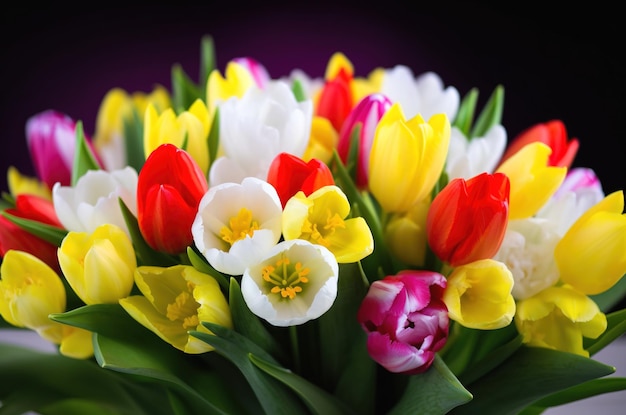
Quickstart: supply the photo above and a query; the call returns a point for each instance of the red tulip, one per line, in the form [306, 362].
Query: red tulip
[554, 135]
[335, 100]
[34, 208]
[406, 320]
[467, 219]
[169, 189]
[290, 174]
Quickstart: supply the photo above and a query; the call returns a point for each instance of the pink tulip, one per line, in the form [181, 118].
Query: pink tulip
[51, 139]
[257, 70]
[368, 113]
[406, 320]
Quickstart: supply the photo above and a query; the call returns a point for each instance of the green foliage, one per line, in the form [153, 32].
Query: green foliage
[84, 159]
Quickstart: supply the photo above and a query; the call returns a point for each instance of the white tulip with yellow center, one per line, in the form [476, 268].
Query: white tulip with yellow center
[293, 283]
[237, 223]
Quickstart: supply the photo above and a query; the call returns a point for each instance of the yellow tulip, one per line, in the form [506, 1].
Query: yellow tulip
[175, 301]
[591, 256]
[558, 318]
[191, 127]
[407, 158]
[21, 184]
[533, 181]
[478, 295]
[29, 292]
[98, 266]
[323, 140]
[236, 82]
[405, 234]
[321, 218]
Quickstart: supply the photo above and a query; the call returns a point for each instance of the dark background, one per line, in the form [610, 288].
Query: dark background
[551, 66]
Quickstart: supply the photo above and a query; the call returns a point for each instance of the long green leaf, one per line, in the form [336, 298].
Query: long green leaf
[46, 232]
[530, 374]
[491, 114]
[214, 138]
[465, 115]
[184, 90]
[32, 380]
[318, 400]
[616, 327]
[133, 140]
[84, 159]
[207, 60]
[274, 397]
[435, 392]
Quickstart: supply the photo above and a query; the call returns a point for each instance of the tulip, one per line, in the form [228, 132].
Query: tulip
[322, 218]
[256, 69]
[99, 266]
[424, 95]
[478, 295]
[115, 113]
[94, 199]
[367, 113]
[467, 219]
[468, 158]
[295, 282]
[405, 320]
[51, 139]
[29, 292]
[256, 128]
[322, 142]
[237, 223]
[530, 174]
[558, 318]
[21, 184]
[591, 256]
[236, 82]
[405, 234]
[35, 208]
[407, 158]
[528, 251]
[580, 190]
[553, 134]
[169, 181]
[175, 301]
[335, 100]
[290, 174]
[191, 127]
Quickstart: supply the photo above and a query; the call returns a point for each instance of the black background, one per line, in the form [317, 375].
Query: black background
[551, 65]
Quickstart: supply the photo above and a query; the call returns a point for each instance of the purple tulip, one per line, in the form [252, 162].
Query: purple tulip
[406, 320]
[368, 112]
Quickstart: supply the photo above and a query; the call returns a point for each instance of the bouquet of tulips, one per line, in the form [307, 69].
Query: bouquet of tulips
[333, 245]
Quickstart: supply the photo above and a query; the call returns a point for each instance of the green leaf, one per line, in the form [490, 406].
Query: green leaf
[184, 91]
[318, 400]
[298, 90]
[491, 114]
[530, 374]
[145, 254]
[207, 61]
[214, 138]
[200, 263]
[248, 324]
[274, 397]
[108, 319]
[48, 233]
[76, 407]
[84, 159]
[435, 392]
[133, 140]
[616, 327]
[575, 393]
[32, 380]
[465, 114]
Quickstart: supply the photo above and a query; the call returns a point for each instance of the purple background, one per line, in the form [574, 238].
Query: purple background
[550, 66]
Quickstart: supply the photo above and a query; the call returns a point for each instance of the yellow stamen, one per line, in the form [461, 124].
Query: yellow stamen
[239, 227]
[333, 221]
[184, 309]
[285, 278]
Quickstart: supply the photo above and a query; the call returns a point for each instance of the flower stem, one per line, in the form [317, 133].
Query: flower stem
[295, 347]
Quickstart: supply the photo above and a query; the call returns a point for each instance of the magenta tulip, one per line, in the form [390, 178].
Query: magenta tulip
[406, 320]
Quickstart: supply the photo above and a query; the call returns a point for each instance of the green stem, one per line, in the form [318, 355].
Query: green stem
[295, 347]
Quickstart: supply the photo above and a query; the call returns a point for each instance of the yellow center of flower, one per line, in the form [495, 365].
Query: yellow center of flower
[184, 309]
[286, 278]
[239, 227]
[320, 233]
